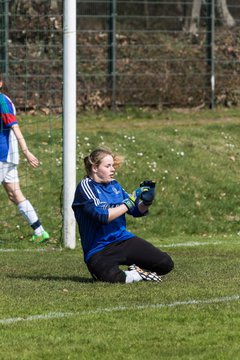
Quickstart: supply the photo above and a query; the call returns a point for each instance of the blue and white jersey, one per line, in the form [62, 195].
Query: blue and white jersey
[8, 142]
[91, 203]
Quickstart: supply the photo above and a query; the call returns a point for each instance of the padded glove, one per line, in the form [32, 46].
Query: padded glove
[134, 198]
[149, 195]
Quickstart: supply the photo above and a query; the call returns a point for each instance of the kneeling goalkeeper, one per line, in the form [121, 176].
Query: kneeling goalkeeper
[100, 205]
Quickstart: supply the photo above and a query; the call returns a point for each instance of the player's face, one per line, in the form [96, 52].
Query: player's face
[105, 171]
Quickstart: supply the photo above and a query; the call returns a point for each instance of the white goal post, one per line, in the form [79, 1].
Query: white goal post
[69, 121]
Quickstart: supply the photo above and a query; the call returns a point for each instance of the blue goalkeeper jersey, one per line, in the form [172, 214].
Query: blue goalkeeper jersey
[91, 203]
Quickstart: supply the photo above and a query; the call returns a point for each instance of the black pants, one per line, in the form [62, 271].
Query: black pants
[104, 265]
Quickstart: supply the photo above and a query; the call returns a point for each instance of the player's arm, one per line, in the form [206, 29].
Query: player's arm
[33, 161]
[114, 213]
[87, 203]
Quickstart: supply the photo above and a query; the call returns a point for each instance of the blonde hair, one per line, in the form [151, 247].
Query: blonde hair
[96, 156]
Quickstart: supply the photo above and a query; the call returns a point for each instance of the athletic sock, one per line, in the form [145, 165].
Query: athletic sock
[38, 230]
[132, 276]
[28, 212]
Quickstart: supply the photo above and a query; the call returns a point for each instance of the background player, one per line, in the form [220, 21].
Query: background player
[10, 137]
[100, 205]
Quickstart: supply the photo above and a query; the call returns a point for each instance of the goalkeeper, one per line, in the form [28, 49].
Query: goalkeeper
[100, 205]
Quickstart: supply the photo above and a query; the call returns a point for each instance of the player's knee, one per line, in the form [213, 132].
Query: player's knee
[16, 196]
[165, 265]
[11, 196]
[14, 192]
[168, 264]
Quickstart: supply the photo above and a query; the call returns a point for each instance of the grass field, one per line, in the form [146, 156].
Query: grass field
[51, 309]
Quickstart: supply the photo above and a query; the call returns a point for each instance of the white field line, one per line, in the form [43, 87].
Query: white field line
[187, 244]
[194, 243]
[31, 250]
[58, 315]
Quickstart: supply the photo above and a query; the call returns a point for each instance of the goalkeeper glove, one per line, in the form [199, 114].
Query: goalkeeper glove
[148, 183]
[133, 199]
[130, 204]
[137, 194]
[149, 195]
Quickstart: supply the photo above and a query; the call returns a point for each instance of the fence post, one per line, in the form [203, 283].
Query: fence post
[4, 38]
[210, 50]
[112, 52]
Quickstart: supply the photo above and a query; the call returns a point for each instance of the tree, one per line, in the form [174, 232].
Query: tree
[224, 13]
[191, 14]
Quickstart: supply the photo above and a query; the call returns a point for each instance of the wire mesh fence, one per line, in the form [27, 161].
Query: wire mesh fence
[129, 52]
[155, 53]
[31, 65]
[141, 53]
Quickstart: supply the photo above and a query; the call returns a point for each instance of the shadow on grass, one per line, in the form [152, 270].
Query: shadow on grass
[52, 278]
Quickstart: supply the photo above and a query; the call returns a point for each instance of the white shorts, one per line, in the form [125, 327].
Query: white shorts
[8, 173]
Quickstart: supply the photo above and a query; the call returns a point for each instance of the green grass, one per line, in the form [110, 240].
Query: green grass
[122, 321]
[194, 313]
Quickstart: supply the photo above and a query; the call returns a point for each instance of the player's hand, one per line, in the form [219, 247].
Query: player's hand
[148, 183]
[33, 161]
[149, 195]
[134, 198]
[137, 194]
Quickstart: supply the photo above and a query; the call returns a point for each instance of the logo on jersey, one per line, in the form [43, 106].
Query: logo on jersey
[115, 190]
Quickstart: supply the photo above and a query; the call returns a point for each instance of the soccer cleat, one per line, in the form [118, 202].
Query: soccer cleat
[145, 274]
[40, 238]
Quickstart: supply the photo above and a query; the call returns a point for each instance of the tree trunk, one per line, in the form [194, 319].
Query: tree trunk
[222, 8]
[195, 17]
[224, 13]
[54, 5]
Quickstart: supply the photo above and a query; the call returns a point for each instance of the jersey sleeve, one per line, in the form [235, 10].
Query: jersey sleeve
[7, 111]
[86, 201]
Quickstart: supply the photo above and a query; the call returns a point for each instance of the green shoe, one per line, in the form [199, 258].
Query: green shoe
[40, 238]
